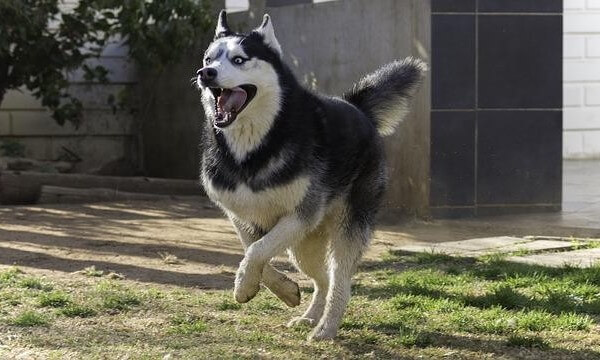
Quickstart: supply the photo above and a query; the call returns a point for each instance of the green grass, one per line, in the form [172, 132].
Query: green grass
[9, 276]
[54, 299]
[91, 271]
[407, 306]
[115, 297]
[186, 324]
[228, 304]
[527, 341]
[81, 311]
[29, 318]
[34, 283]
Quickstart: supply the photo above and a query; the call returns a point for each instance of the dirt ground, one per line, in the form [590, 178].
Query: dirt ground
[184, 243]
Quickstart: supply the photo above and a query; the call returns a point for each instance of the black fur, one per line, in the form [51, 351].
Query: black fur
[386, 86]
[225, 25]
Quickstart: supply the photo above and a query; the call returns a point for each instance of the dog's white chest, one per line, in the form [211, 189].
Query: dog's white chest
[263, 207]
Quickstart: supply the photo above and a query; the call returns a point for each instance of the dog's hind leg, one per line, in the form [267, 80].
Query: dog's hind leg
[277, 282]
[310, 258]
[345, 253]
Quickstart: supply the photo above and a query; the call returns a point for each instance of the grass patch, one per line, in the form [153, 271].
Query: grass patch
[414, 338]
[9, 276]
[115, 297]
[34, 284]
[54, 299]
[186, 324]
[91, 271]
[227, 304]
[520, 340]
[428, 306]
[74, 310]
[29, 318]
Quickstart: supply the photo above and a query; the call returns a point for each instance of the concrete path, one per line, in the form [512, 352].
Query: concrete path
[531, 250]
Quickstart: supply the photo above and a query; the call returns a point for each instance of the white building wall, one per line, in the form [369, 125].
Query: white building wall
[103, 136]
[581, 79]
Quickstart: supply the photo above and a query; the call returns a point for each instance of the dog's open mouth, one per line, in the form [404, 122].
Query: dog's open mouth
[231, 102]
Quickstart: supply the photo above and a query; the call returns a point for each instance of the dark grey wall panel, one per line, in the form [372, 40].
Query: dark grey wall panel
[453, 5]
[452, 158]
[453, 55]
[520, 6]
[519, 157]
[519, 66]
[496, 125]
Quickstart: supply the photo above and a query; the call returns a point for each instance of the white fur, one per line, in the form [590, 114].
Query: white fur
[279, 283]
[221, 27]
[254, 122]
[263, 208]
[388, 117]
[268, 32]
[287, 232]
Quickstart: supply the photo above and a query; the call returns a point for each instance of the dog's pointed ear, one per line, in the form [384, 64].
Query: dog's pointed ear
[268, 33]
[222, 28]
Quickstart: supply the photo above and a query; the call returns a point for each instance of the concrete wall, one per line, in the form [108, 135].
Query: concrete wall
[582, 79]
[103, 136]
[329, 45]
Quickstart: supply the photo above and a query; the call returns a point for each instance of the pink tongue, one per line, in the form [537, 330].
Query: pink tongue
[232, 99]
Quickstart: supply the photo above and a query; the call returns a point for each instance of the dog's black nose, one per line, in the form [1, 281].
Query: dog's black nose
[207, 74]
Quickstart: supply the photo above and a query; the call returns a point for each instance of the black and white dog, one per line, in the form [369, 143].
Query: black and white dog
[294, 170]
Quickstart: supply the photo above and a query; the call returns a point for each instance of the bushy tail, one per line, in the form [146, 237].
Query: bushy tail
[384, 95]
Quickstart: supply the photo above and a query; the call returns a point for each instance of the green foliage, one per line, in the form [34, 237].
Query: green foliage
[12, 148]
[40, 43]
[156, 32]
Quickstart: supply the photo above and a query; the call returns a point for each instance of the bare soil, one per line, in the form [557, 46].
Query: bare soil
[178, 243]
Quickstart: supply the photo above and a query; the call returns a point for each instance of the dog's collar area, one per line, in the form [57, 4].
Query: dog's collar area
[229, 102]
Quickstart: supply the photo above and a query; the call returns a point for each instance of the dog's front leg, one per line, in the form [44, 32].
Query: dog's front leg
[279, 283]
[288, 231]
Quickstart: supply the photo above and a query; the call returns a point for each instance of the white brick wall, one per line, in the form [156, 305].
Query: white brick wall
[581, 91]
[102, 137]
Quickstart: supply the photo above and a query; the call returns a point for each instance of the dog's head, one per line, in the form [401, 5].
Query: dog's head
[238, 72]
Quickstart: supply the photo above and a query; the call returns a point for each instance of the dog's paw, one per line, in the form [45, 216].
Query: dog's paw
[301, 321]
[322, 333]
[247, 284]
[287, 291]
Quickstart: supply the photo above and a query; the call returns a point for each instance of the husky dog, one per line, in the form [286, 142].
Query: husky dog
[294, 170]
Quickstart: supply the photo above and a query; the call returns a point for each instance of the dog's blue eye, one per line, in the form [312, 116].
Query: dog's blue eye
[207, 60]
[238, 60]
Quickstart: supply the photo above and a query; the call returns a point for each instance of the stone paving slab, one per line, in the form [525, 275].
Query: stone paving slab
[578, 258]
[534, 246]
[465, 246]
[483, 246]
